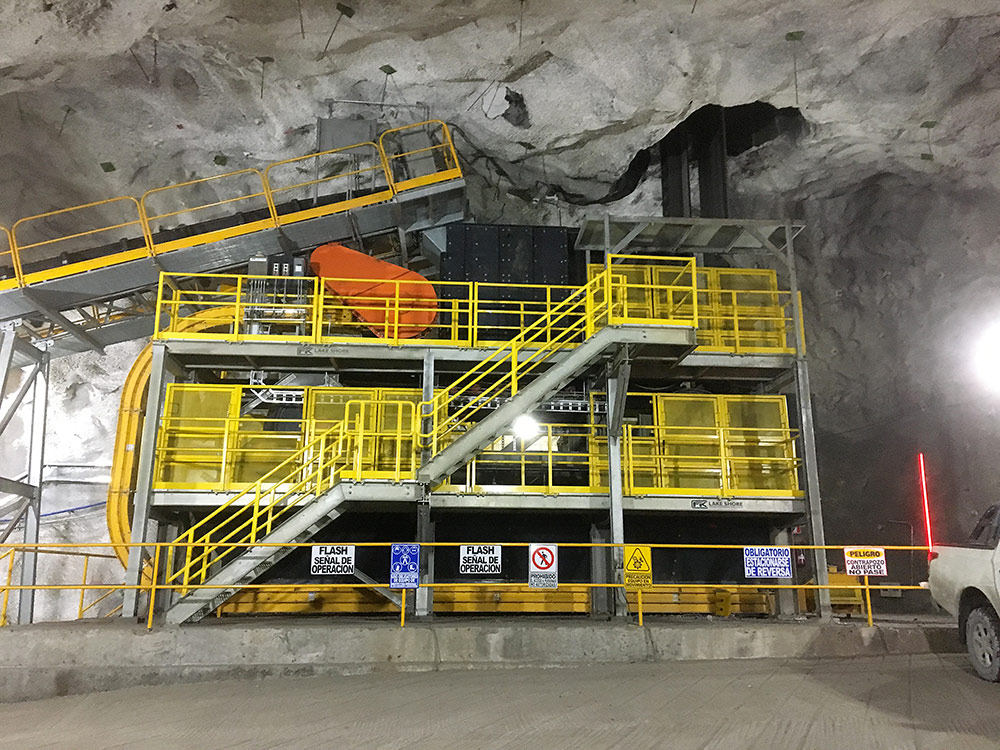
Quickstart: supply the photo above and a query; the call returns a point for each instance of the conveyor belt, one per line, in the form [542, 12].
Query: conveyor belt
[87, 296]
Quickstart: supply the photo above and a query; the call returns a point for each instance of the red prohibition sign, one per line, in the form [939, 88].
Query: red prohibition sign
[543, 558]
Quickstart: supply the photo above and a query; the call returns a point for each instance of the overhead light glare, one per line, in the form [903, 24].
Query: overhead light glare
[525, 427]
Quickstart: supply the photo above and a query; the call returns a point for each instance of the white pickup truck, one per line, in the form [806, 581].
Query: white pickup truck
[964, 580]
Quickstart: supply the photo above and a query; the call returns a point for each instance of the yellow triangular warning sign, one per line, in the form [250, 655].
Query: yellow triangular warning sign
[637, 560]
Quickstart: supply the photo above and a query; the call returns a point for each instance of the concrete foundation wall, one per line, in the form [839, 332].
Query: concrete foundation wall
[48, 660]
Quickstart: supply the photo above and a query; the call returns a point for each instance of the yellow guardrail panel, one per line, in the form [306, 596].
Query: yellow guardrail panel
[342, 179]
[429, 163]
[343, 451]
[38, 257]
[664, 596]
[254, 191]
[10, 269]
[28, 260]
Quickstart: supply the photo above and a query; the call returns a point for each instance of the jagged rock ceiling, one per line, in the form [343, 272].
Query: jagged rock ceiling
[899, 264]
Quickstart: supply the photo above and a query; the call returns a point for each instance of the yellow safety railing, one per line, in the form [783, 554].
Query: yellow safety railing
[342, 179]
[250, 515]
[242, 192]
[83, 608]
[664, 595]
[44, 249]
[104, 233]
[9, 557]
[726, 461]
[559, 459]
[433, 159]
[10, 269]
[603, 301]
[732, 322]
[304, 310]
[740, 310]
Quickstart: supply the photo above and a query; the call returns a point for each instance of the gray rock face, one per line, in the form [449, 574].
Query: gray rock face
[899, 264]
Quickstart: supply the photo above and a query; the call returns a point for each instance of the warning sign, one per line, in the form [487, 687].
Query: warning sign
[865, 561]
[767, 562]
[479, 559]
[332, 560]
[543, 566]
[638, 567]
[404, 566]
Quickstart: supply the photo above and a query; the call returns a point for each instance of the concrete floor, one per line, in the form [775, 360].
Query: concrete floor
[895, 703]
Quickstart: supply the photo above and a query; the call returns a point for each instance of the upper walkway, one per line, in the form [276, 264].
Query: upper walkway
[735, 310]
[74, 258]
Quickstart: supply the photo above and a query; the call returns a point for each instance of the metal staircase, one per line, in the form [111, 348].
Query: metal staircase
[247, 535]
[304, 491]
[255, 561]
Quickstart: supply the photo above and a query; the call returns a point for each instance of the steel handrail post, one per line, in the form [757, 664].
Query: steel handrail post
[608, 286]
[399, 444]
[694, 291]
[396, 308]
[736, 322]
[83, 584]
[6, 591]
[474, 317]
[154, 582]
[868, 601]
[359, 442]
[513, 369]
[255, 512]
[236, 308]
[548, 439]
[317, 310]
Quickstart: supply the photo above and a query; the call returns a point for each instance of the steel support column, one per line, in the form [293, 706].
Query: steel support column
[615, 491]
[158, 377]
[710, 151]
[675, 174]
[786, 597]
[807, 429]
[36, 465]
[424, 604]
[599, 601]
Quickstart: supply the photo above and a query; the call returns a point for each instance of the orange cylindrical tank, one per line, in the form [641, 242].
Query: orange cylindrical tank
[371, 287]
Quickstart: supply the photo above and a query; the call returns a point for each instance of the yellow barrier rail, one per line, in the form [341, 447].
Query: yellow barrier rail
[304, 310]
[343, 178]
[727, 461]
[200, 202]
[547, 464]
[855, 589]
[38, 239]
[104, 233]
[433, 159]
[10, 269]
[604, 300]
[83, 608]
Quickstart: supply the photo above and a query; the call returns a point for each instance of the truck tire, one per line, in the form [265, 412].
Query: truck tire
[982, 637]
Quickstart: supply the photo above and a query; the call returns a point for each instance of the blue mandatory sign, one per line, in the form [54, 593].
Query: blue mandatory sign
[404, 566]
[767, 562]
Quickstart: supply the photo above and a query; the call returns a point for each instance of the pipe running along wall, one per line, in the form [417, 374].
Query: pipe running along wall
[131, 413]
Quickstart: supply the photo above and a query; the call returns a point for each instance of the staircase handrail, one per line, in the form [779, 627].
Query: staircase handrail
[306, 473]
[586, 321]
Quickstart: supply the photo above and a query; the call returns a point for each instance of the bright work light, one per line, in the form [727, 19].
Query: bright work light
[525, 427]
[987, 357]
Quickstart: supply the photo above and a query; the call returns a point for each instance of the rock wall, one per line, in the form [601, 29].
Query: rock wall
[898, 264]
